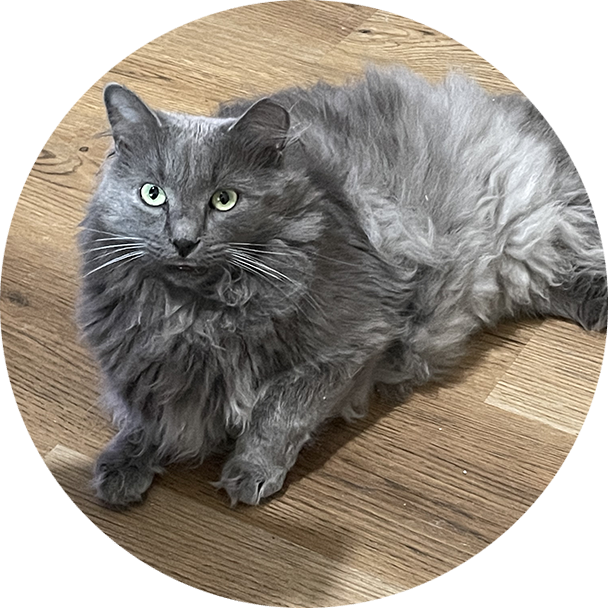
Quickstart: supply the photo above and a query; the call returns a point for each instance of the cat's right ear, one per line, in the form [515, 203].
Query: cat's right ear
[130, 118]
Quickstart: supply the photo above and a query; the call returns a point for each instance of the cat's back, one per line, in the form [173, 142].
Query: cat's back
[398, 135]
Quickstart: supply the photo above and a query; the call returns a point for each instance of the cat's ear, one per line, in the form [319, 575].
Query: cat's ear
[130, 118]
[264, 126]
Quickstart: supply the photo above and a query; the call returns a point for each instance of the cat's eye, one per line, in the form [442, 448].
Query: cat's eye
[153, 195]
[224, 200]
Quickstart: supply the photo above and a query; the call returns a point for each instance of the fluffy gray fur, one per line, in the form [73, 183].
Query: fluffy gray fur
[379, 224]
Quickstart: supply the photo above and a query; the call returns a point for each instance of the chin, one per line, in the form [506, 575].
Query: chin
[189, 276]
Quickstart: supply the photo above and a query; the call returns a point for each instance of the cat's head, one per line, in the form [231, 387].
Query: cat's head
[185, 197]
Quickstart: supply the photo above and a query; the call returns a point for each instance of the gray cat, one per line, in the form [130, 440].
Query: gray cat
[248, 276]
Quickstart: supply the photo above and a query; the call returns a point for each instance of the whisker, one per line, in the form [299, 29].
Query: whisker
[262, 253]
[127, 256]
[134, 257]
[251, 268]
[263, 267]
[239, 247]
[277, 273]
[134, 248]
[267, 271]
[244, 265]
[115, 246]
[252, 247]
[252, 264]
[245, 246]
[120, 238]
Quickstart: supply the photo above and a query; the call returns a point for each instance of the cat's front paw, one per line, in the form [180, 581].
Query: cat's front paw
[250, 482]
[121, 485]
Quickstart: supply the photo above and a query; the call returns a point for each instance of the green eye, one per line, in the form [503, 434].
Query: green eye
[152, 195]
[224, 200]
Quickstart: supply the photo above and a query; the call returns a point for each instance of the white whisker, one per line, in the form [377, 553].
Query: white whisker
[254, 265]
[249, 264]
[134, 248]
[244, 265]
[249, 247]
[128, 256]
[262, 253]
[120, 238]
[116, 247]
[277, 273]
[261, 267]
[246, 249]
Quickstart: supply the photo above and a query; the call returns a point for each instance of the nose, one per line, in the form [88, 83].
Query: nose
[185, 246]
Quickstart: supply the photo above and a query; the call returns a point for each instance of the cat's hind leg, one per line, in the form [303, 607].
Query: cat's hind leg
[125, 468]
[582, 298]
[572, 249]
[581, 293]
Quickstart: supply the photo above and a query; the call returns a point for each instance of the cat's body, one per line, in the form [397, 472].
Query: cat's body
[377, 226]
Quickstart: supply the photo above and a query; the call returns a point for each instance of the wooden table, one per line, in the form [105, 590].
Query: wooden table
[373, 508]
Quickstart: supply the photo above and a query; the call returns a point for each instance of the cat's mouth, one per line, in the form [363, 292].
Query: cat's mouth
[184, 268]
[187, 274]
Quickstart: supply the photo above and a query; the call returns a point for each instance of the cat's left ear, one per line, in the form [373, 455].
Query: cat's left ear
[264, 126]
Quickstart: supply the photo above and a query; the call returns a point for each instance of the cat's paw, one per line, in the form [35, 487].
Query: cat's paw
[584, 300]
[592, 314]
[121, 485]
[250, 482]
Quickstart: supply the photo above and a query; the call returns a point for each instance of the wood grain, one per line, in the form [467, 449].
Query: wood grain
[539, 46]
[372, 508]
[549, 381]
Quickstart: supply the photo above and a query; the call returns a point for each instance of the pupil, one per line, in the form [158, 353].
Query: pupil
[224, 197]
[153, 192]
